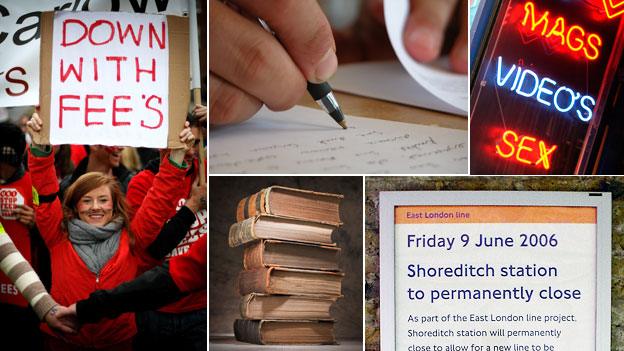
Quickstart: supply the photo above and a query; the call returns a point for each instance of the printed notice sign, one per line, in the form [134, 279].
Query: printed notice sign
[495, 276]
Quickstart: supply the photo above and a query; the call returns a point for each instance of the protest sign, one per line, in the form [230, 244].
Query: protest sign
[20, 34]
[113, 79]
[486, 271]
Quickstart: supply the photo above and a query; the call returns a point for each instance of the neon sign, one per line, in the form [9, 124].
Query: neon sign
[526, 83]
[525, 149]
[573, 37]
[609, 6]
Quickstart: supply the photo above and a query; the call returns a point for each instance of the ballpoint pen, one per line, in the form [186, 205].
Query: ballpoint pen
[321, 93]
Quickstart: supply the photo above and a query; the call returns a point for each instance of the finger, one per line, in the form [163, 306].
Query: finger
[250, 58]
[229, 104]
[424, 30]
[459, 52]
[25, 207]
[66, 329]
[303, 29]
[35, 122]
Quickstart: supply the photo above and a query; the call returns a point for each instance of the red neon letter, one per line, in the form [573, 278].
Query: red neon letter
[529, 8]
[595, 54]
[521, 147]
[560, 25]
[89, 109]
[525, 153]
[511, 146]
[62, 106]
[575, 39]
[545, 154]
[572, 37]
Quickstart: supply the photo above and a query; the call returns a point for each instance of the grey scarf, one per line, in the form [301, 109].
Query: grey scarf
[95, 245]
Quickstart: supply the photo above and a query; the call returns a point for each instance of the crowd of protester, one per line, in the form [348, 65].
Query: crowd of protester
[115, 235]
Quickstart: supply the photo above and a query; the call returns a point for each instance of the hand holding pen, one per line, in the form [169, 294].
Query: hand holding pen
[250, 67]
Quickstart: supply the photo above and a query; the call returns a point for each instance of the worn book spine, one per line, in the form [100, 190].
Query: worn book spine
[242, 232]
[254, 281]
[246, 330]
[244, 305]
[252, 205]
[253, 255]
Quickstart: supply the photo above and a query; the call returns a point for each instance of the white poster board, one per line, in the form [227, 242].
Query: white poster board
[19, 39]
[518, 271]
[110, 79]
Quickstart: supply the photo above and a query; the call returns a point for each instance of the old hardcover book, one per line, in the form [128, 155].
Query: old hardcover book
[284, 332]
[293, 203]
[265, 253]
[288, 281]
[261, 306]
[280, 228]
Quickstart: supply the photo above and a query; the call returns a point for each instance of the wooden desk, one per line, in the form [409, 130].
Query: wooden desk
[373, 108]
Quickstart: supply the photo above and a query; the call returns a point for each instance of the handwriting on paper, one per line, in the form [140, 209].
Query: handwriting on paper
[305, 140]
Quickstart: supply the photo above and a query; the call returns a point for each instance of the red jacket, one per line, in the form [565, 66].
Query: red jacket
[136, 193]
[189, 271]
[71, 279]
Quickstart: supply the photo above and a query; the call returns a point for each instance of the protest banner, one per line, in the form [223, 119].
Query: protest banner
[113, 79]
[20, 35]
[486, 271]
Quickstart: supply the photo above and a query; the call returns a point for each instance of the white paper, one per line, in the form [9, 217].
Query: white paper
[19, 62]
[386, 80]
[437, 83]
[306, 140]
[119, 95]
[573, 258]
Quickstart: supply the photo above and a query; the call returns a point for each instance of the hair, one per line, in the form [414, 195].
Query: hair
[193, 122]
[131, 160]
[62, 161]
[12, 144]
[84, 184]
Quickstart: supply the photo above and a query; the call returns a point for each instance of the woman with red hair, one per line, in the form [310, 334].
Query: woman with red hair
[93, 244]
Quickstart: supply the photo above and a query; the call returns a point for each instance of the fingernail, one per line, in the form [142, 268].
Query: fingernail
[327, 67]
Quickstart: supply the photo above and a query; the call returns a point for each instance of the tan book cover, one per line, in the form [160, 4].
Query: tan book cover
[292, 203]
[262, 306]
[280, 228]
[288, 281]
[277, 253]
[284, 332]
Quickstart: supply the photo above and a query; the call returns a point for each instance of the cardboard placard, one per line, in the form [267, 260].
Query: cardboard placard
[113, 99]
[19, 66]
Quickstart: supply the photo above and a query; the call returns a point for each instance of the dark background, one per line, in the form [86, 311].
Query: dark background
[226, 262]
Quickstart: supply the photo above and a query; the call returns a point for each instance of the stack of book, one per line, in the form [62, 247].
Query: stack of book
[290, 276]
